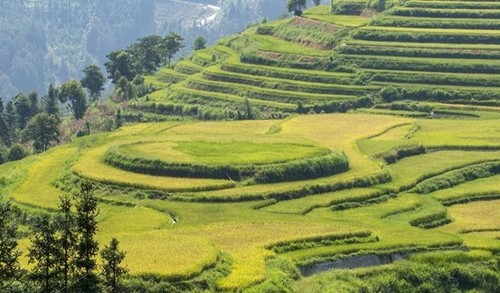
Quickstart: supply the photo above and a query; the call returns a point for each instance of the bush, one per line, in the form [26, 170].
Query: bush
[431, 221]
[16, 152]
[265, 30]
[401, 152]
[348, 7]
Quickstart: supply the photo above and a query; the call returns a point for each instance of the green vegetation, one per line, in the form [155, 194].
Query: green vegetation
[398, 157]
[175, 229]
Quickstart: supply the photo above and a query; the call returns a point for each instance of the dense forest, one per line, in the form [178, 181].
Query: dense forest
[51, 41]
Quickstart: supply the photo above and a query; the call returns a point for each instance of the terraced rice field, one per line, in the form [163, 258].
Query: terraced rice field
[177, 228]
[436, 50]
[416, 172]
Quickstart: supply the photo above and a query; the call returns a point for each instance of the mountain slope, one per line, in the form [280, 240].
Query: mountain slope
[397, 54]
[44, 42]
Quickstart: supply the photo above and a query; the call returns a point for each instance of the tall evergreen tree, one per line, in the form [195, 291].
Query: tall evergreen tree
[4, 127]
[34, 106]
[9, 254]
[86, 279]
[112, 271]
[23, 110]
[50, 103]
[66, 241]
[44, 255]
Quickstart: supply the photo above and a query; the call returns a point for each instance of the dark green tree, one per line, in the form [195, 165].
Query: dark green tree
[50, 104]
[23, 110]
[146, 54]
[200, 43]
[4, 127]
[86, 279]
[43, 129]
[93, 81]
[73, 91]
[172, 43]
[316, 2]
[118, 118]
[11, 118]
[119, 64]
[112, 270]
[296, 6]
[66, 226]
[125, 89]
[9, 254]
[16, 152]
[44, 255]
[34, 106]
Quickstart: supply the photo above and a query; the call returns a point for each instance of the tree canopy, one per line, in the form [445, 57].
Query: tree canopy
[72, 91]
[93, 81]
[43, 129]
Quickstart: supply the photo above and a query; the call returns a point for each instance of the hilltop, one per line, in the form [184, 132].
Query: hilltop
[281, 188]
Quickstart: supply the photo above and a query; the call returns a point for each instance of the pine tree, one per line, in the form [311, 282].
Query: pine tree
[66, 242]
[112, 271]
[86, 246]
[118, 118]
[44, 255]
[4, 127]
[51, 105]
[9, 255]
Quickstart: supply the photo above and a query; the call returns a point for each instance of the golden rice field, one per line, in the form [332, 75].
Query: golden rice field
[235, 221]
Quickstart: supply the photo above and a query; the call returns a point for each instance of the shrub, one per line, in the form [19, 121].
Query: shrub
[265, 30]
[348, 7]
[16, 152]
[401, 152]
[431, 221]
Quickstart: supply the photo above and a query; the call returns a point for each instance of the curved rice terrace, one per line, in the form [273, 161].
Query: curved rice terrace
[416, 170]
[178, 227]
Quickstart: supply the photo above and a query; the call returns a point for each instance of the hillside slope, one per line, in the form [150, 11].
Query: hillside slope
[323, 62]
[276, 205]
[44, 41]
